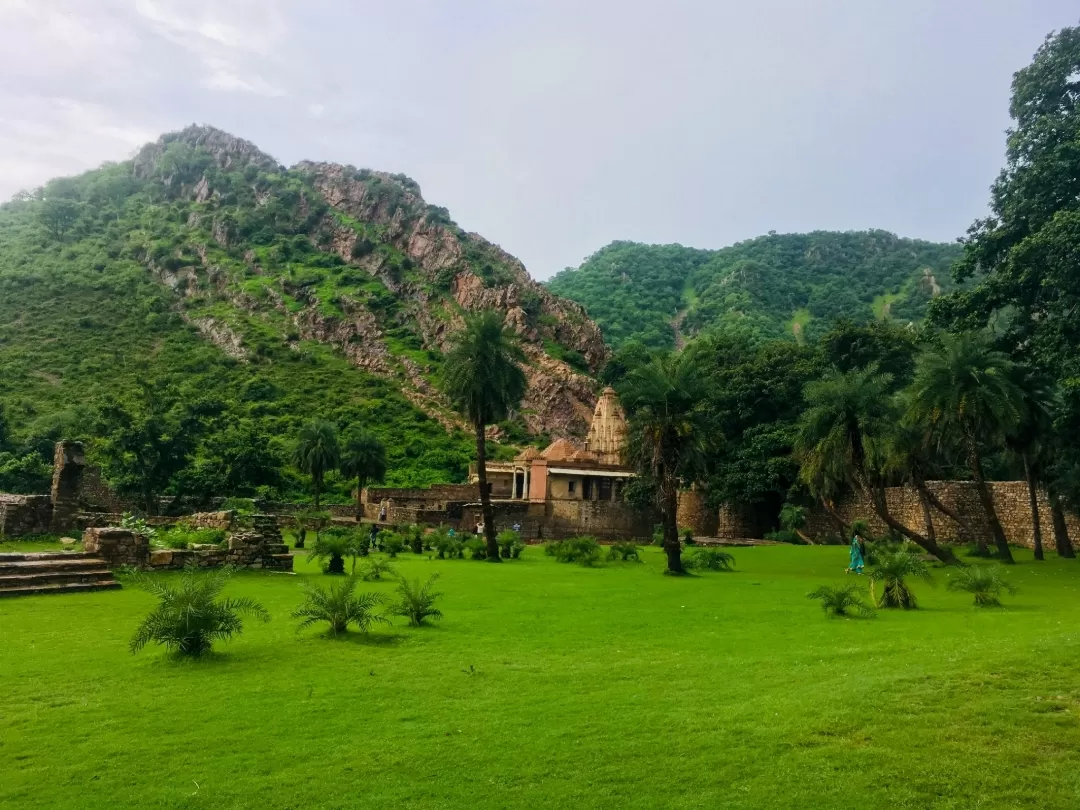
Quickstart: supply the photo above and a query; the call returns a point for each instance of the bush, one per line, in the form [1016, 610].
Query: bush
[392, 543]
[624, 552]
[339, 606]
[658, 534]
[377, 569]
[334, 546]
[441, 541]
[710, 559]
[242, 506]
[687, 535]
[189, 617]
[476, 547]
[983, 581]
[416, 602]
[181, 537]
[582, 550]
[891, 568]
[841, 600]
[414, 538]
[510, 544]
[136, 524]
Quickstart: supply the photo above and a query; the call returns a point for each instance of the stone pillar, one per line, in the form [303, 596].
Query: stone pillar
[68, 465]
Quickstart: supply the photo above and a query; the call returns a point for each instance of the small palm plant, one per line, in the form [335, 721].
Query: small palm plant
[984, 581]
[416, 601]
[842, 600]
[711, 559]
[377, 569]
[333, 547]
[392, 543]
[627, 552]
[892, 569]
[510, 544]
[339, 606]
[189, 617]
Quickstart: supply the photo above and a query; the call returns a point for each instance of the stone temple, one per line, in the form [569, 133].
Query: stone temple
[564, 471]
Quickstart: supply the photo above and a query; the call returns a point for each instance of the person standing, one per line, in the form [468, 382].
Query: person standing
[855, 555]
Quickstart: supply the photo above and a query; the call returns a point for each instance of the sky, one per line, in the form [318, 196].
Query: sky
[553, 127]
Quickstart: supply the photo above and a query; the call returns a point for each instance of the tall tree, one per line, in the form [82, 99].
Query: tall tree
[666, 432]
[1023, 256]
[484, 381]
[363, 457]
[965, 394]
[146, 441]
[317, 452]
[843, 441]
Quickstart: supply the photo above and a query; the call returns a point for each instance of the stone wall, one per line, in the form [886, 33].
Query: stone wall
[694, 514]
[1010, 503]
[558, 519]
[68, 464]
[24, 514]
[736, 523]
[117, 546]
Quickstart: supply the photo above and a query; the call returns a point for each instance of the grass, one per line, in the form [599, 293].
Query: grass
[551, 685]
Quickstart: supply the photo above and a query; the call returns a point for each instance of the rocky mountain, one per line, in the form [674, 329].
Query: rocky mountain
[775, 285]
[318, 289]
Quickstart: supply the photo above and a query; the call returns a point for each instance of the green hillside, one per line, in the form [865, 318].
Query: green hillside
[791, 284]
[204, 285]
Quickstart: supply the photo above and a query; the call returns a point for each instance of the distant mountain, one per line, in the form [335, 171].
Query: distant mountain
[284, 293]
[780, 284]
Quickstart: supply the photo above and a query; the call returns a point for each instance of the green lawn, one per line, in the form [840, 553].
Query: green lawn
[551, 685]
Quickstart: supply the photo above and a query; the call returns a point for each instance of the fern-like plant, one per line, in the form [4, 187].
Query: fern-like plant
[841, 600]
[892, 569]
[375, 568]
[189, 616]
[339, 606]
[392, 543]
[983, 581]
[710, 559]
[476, 547]
[510, 544]
[582, 550]
[333, 546]
[416, 601]
[627, 552]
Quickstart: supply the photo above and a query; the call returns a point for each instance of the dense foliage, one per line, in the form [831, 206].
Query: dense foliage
[772, 286]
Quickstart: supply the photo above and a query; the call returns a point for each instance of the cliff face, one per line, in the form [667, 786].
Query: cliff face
[357, 260]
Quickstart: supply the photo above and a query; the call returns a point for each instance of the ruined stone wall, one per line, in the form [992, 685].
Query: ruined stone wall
[24, 514]
[694, 514]
[558, 519]
[735, 523]
[1010, 503]
[118, 547]
[439, 493]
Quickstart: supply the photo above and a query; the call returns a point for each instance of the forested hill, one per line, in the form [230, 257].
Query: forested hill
[205, 280]
[780, 284]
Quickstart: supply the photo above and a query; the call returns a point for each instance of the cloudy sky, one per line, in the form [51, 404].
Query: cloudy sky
[553, 126]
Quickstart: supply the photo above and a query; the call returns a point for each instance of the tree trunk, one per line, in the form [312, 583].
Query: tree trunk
[1061, 529]
[877, 500]
[485, 496]
[952, 514]
[316, 481]
[1000, 541]
[1033, 500]
[928, 515]
[672, 546]
[359, 502]
[830, 510]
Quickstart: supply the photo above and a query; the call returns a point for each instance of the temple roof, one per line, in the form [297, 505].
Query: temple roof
[528, 454]
[560, 450]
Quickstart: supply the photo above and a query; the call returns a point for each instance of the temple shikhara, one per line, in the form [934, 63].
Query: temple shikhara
[563, 471]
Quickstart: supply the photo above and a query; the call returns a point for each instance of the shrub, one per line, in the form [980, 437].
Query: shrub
[658, 534]
[510, 544]
[841, 600]
[392, 543]
[339, 606]
[687, 535]
[582, 550]
[136, 524]
[416, 601]
[377, 569]
[624, 552]
[334, 546]
[710, 559]
[441, 541]
[189, 617]
[414, 538]
[891, 568]
[242, 506]
[983, 581]
[180, 537]
[476, 547]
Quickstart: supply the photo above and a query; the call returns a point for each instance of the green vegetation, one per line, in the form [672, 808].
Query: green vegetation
[338, 606]
[732, 688]
[842, 600]
[984, 582]
[773, 286]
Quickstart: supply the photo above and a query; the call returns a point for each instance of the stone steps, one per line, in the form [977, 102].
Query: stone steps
[49, 573]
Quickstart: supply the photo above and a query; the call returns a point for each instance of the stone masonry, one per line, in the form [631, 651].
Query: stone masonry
[68, 464]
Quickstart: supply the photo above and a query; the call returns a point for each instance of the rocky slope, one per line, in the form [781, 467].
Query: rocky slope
[354, 259]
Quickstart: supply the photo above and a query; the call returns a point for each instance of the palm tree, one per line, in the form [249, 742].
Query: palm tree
[1028, 442]
[965, 394]
[892, 568]
[666, 433]
[363, 457]
[843, 442]
[317, 452]
[484, 381]
[339, 606]
[189, 617]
